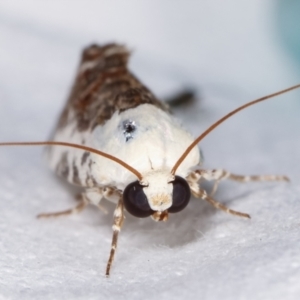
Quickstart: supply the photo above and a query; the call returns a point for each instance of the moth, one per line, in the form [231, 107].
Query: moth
[118, 142]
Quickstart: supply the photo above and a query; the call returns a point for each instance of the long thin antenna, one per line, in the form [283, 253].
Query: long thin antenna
[216, 124]
[92, 150]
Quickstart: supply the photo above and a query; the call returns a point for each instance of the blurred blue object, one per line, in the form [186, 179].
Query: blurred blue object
[289, 26]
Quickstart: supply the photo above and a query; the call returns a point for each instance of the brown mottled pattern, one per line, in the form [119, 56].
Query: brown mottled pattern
[103, 85]
[76, 179]
[90, 164]
[90, 181]
[63, 167]
[84, 157]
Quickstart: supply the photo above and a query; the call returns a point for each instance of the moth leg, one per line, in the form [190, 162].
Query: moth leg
[78, 208]
[118, 222]
[90, 196]
[94, 196]
[199, 193]
[219, 174]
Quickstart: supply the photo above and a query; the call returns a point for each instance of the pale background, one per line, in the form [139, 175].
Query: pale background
[230, 52]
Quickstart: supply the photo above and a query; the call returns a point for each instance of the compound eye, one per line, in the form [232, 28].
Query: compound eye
[181, 195]
[135, 200]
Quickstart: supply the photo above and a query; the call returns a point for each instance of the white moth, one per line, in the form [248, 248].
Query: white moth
[117, 141]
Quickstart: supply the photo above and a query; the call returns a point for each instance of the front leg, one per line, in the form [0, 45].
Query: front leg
[90, 196]
[219, 174]
[118, 222]
[199, 193]
[83, 202]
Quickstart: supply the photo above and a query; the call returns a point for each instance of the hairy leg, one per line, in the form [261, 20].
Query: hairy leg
[118, 222]
[199, 193]
[90, 196]
[218, 175]
[83, 202]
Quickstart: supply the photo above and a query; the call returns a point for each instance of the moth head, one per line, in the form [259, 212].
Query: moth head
[156, 195]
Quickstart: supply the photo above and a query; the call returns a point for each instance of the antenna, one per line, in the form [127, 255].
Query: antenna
[216, 124]
[71, 145]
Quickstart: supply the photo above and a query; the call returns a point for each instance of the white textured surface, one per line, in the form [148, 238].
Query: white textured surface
[231, 54]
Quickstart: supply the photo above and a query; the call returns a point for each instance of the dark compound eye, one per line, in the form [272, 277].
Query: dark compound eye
[136, 203]
[135, 200]
[181, 195]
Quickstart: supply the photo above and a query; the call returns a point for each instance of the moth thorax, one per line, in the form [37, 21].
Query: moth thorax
[158, 189]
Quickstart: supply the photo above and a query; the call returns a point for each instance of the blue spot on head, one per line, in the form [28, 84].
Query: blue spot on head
[129, 127]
